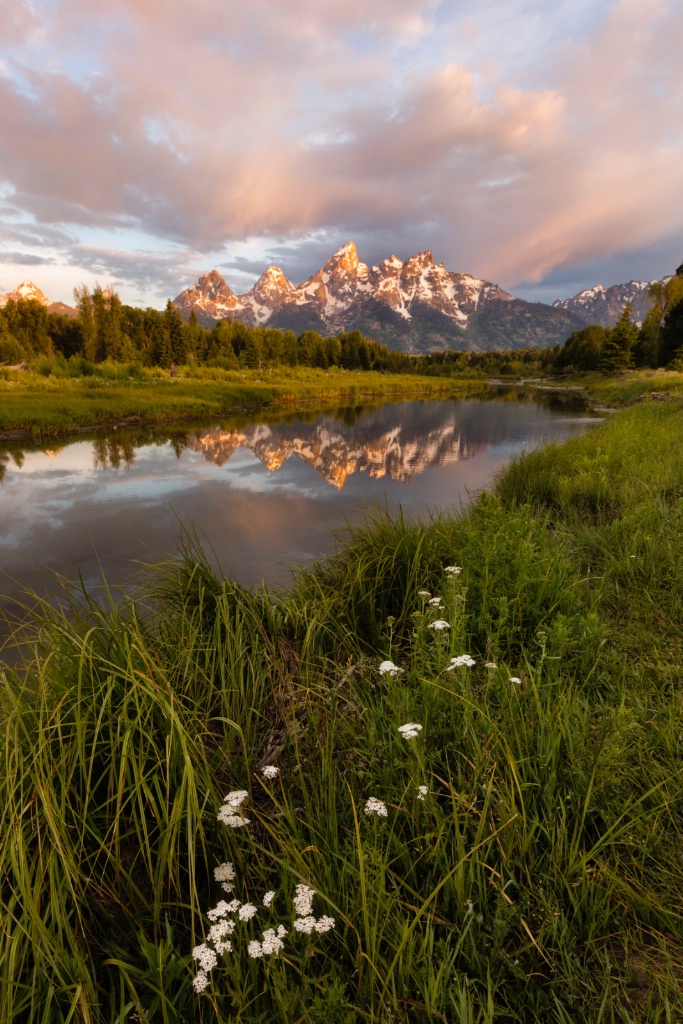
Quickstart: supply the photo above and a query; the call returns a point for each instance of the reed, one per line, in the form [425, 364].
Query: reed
[535, 877]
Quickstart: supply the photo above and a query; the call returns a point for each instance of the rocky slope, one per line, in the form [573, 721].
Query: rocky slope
[604, 306]
[416, 306]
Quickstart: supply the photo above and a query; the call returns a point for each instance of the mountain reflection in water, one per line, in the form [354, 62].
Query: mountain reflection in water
[97, 505]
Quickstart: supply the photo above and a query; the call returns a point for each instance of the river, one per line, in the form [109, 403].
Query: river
[262, 492]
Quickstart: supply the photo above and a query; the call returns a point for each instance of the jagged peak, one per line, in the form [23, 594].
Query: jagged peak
[345, 258]
[391, 263]
[213, 277]
[27, 290]
[273, 273]
[424, 259]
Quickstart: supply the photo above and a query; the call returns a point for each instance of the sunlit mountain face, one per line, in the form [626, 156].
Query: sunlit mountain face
[416, 306]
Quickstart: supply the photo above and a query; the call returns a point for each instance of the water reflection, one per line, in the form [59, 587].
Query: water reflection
[265, 491]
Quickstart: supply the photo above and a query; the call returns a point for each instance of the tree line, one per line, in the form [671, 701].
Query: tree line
[107, 329]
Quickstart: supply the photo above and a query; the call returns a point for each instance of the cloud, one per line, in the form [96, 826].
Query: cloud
[406, 125]
[26, 259]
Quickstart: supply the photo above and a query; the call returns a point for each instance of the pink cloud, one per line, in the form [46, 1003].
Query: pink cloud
[217, 121]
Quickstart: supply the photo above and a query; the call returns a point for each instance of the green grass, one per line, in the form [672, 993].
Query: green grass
[539, 881]
[627, 387]
[41, 406]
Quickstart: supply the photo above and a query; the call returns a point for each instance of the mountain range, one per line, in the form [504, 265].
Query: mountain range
[604, 306]
[412, 306]
[416, 306]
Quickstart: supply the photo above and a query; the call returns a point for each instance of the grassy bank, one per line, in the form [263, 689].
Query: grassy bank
[617, 390]
[534, 878]
[40, 406]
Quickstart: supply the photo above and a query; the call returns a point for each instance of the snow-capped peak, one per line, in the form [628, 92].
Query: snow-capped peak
[25, 291]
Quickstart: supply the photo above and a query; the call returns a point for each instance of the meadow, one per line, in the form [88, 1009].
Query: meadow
[473, 731]
[58, 399]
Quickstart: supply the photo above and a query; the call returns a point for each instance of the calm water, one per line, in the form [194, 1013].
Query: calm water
[263, 494]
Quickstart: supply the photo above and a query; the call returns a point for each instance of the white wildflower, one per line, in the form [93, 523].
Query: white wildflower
[453, 570]
[232, 820]
[491, 665]
[200, 982]
[220, 931]
[422, 792]
[254, 948]
[303, 901]
[268, 898]
[516, 679]
[410, 730]
[247, 911]
[205, 956]
[225, 874]
[375, 806]
[230, 813]
[423, 593]
[270, 771]
[436, 601]
[236, 797]
[324, 924]
[272, 941]
[220, 910]
[439, 624]
[462, 659]
[305, 924]
[387, 668]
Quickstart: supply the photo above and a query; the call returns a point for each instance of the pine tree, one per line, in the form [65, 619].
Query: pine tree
[86, 320]
[617, 353]
[173, 325]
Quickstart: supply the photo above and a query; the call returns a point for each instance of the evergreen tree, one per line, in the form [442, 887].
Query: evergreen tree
[252, 354]
[617, 353]
[583, 348]
[173, 325]
[86, 319]
[193, 337]
[671, 338]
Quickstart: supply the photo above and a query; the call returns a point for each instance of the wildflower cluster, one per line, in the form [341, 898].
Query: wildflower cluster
[410, 730]
[375, 806]
[225, 874]
[270, 771]
[270, 945]
[230, 813]
[439, 624]
[462, 659]
[305, 922]
[422, 792]
[387, 668]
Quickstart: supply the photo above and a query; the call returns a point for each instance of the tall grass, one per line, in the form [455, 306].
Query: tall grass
[539, 878]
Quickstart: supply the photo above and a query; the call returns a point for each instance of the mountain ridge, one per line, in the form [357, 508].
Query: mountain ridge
[604, 306]
[414, 306]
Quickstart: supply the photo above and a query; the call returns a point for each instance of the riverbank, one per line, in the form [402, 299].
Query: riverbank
[33, 406]
[518, 859]
[612, 391]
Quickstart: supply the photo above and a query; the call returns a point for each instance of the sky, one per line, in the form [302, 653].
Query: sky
[145, 142]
